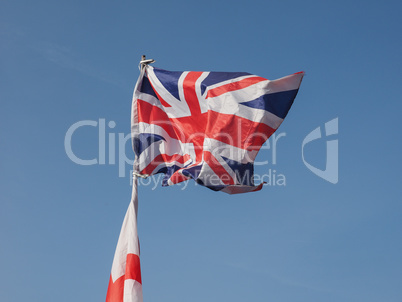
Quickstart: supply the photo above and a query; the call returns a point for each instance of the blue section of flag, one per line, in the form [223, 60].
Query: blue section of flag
[147, 88]
[277, 103]
[144, 140]
[244, 172]
[192, 172]
[168, 171]
[216, 77]
[213, 188]
[170, 80]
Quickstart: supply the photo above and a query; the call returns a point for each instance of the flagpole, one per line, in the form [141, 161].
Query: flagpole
[143, 58]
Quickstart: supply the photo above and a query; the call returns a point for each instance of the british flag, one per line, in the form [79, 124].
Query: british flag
[206, 126]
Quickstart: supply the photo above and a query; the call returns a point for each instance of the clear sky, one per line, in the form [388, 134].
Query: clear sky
[64, 62]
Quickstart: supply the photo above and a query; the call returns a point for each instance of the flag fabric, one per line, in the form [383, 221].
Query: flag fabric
[125, 283]
[206, 126]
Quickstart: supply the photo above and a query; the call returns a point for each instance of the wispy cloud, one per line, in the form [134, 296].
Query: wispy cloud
[63, 56]
[66, 58]
[281, 279]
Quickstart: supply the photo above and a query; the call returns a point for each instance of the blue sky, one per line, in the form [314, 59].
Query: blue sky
[310, 240]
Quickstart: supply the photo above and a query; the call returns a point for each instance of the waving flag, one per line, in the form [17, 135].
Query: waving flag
[206, 126]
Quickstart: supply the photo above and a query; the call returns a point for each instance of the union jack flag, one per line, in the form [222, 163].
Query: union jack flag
[206, 126]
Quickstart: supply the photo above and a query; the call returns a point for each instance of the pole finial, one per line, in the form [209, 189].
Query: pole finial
[145, 62]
